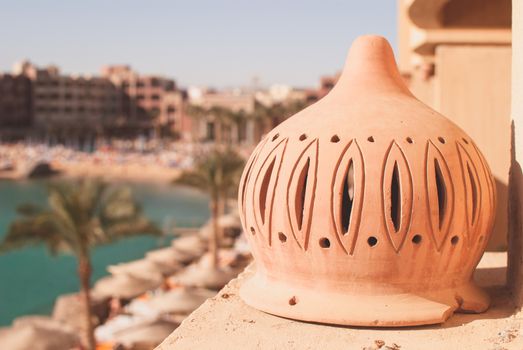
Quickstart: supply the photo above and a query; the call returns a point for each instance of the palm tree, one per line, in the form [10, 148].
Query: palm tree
[81, 215]
[278, 112]
[218, 173]
[224, 119]
[268, 117]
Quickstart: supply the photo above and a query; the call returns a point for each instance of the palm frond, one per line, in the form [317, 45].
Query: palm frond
[81, 214]
[217, 171]
[44, 228]
[29, 209]
[138, 225]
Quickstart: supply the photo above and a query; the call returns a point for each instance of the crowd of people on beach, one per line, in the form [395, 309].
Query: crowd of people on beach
[18, 155]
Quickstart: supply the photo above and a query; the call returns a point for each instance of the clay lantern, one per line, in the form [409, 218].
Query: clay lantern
[367, 208]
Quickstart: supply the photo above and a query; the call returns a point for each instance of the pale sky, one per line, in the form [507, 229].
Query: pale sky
[220, 43]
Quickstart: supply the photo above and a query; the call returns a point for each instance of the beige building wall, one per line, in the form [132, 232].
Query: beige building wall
[515, 264]
[422, 86]
[472, 87]
[172, 114]
[230, 133]
[456, 58]
[404, 26]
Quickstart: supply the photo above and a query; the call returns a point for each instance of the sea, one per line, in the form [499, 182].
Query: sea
[31, 278]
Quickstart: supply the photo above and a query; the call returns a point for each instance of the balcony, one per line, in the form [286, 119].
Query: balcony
[226, 320]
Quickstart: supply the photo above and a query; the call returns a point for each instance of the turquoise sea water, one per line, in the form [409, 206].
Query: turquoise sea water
[31, 279]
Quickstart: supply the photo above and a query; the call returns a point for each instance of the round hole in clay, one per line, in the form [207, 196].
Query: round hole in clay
[370, 139]
[372, 241]
[303, 137]
[409, 140]
[335, 139]
[441, 139]
[253, 231]
[325, 243]
[416, 239]
[293, 301]
[282, 237]
[454, 240]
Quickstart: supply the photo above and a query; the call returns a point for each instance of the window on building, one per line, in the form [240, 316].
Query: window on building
[210, 131]
[169, 86]
[155, 112]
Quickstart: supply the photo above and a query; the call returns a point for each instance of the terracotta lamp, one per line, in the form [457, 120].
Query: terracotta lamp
[367, 208]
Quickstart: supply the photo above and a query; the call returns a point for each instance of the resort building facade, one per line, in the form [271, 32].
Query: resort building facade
[148, 100]
[15, 101]
[327, 82]
[45, 103]
[211, 125]
[66, 107]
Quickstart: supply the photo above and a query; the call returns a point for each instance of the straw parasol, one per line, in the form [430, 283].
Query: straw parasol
[170, 256]
[38, 334]
[144, 268]
[181, 300]
[204, 276]
[69, 309]
[231, 220]
[147, 335]
[241, 245]
[177, 301]
[190, 244]
[125, 286]
[42, 322]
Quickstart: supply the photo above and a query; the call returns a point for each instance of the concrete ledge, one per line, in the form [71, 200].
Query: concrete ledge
[225, 322]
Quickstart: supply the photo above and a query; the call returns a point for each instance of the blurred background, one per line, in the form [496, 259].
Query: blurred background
[124, 127]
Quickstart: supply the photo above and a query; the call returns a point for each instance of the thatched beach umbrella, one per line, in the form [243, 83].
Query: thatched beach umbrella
[145, 335]
[69, 309]
[42, 322]
[190, 244]
[144, 268]
[177, 301]
[241, 245]
[171, 256]
[181, 300]
[166, 269]
[231, 220]
[124, 286]
[38, 334]
[204, 276]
